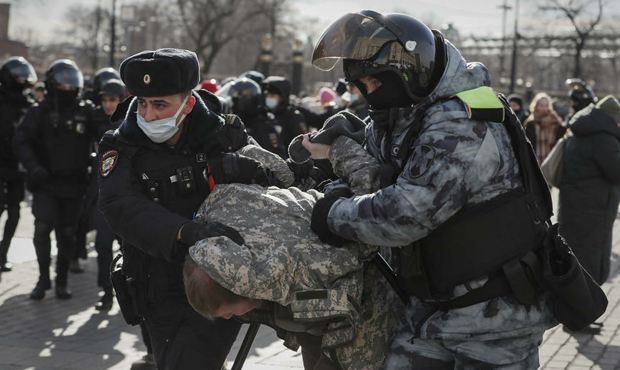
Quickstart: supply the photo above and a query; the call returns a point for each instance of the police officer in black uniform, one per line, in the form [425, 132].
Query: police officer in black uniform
[106, 95]
[53, 143]
[245, 98]
[16, 76]
[99, 79]
[289, 120]
[110, 95]
[155, 171]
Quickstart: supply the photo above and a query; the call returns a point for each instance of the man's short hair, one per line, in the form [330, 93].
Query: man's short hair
[204, 294]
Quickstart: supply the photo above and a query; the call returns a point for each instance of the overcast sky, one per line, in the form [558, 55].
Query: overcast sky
[479, 17]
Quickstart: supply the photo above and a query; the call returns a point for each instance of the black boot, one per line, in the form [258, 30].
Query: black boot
[62, 292]
[38, 293]
[75, 266]
[105, 302]
[145, 363]
[4, 249]
[6, 267]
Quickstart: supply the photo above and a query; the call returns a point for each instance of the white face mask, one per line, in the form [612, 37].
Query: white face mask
[162, 129]
[271, 103]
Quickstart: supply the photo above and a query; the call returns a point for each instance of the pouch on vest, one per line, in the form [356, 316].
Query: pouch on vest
[576, 299]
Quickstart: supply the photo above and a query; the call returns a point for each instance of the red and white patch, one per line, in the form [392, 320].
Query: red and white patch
[109, 160]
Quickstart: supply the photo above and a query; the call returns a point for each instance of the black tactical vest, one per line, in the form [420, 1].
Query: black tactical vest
[495, 239]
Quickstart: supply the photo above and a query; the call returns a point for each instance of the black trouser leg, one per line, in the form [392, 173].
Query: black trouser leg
[9, 230]
[103, 246]
[146, 338]
[42, 247]
[65, 241]
[13, 194]
[182, 339]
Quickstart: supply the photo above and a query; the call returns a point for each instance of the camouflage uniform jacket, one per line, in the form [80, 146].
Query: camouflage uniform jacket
[454, 162]
[283, 261]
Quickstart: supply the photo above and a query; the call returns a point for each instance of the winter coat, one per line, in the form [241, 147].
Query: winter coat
[283, 261]
[590, 188]
[532, 131]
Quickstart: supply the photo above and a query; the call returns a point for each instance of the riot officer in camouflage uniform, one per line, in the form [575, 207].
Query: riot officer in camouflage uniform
[451, 183]
[155, 171]
[53, 142]
[16, 75]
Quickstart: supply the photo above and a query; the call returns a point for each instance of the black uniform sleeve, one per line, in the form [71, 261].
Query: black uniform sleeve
[131, 214]
[298, 124]
[233, 135]
[25, 136]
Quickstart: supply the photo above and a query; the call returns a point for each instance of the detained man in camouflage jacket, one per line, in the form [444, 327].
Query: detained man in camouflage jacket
[437, 163]
[308, 286]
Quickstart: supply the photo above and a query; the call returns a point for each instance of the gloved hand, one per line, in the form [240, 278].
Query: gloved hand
[38, 176]
[318, 222]
[192, 232]
[236, 168]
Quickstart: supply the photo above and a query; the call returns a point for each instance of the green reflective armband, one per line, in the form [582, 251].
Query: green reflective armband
[482, 104]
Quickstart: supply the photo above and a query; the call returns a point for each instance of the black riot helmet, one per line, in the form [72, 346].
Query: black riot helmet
[16, 74]
[244, 96]
[254, 76]
[113, 87]
[371, 44]
[63, 74]
[580, 93]
[102, 76]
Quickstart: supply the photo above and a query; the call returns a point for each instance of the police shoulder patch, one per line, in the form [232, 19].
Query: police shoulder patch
[108, 162]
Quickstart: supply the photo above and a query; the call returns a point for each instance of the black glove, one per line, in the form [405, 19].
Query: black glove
[318, 222]
[38, 176]
[193, 232]
[236, 168]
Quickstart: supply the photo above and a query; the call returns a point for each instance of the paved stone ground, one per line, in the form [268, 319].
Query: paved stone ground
[68, 335]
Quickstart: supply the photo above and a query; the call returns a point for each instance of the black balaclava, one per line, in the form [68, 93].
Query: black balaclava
[391, 93]
[65, 100]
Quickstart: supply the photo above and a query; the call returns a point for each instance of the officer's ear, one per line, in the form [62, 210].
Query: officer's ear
[189, 105]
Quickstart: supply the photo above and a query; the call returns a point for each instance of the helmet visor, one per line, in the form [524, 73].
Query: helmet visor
[353, 36]
[69, 78]
[23, 74]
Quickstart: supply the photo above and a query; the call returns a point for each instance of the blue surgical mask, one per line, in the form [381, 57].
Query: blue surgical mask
[162, 129]
[271, 103]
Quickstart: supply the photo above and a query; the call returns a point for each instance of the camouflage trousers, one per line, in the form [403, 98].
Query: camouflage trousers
[518, 353]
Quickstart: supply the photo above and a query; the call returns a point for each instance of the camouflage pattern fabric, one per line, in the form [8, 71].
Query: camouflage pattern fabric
[271, 161]
[284, 261]
[454, 162]
[354, 165]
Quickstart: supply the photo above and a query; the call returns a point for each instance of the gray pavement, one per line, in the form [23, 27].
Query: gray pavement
[68, 335]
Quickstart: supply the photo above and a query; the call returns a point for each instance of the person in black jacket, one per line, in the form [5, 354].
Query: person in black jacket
[53, 142]
[244, 97]
[590, 185]
[289, 121]
[155, 171]
[107, 96]
[16, 75]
